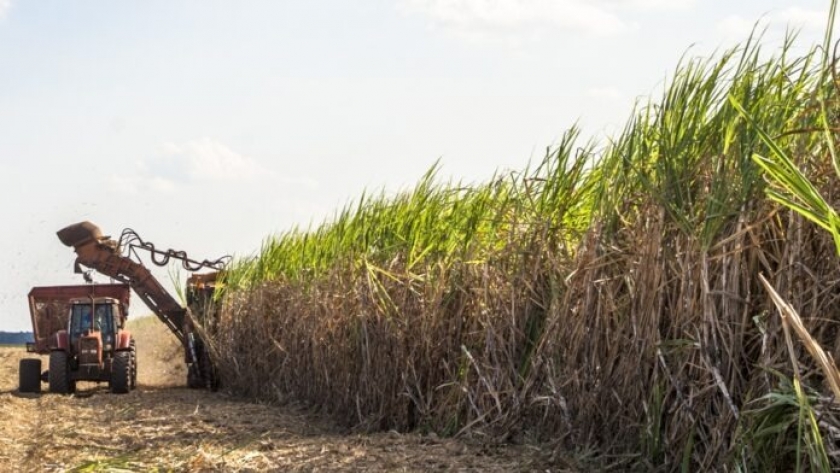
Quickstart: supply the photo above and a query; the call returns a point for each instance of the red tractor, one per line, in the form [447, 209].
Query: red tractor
[82, 329]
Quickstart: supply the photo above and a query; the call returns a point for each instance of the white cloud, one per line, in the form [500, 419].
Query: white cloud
[139, 183]
[653, 4]
[203, 161]
[735, 27]
[607, 94]
[125, 184]
[160, 184]
[5, 5]
[516, 20]
[801, 18]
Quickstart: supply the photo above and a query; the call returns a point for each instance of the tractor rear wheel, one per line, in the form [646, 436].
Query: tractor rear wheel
[30, 375]
[59, 375]
[121, 372]
[208, 372]
[133, 364]
[193, 377]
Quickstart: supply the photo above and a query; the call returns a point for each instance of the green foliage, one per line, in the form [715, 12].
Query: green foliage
[789, 185]
[436, 223]
[783, 430]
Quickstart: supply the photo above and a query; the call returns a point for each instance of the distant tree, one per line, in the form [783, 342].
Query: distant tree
[15, 338]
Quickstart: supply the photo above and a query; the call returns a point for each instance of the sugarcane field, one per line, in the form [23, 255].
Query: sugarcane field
[283, 236]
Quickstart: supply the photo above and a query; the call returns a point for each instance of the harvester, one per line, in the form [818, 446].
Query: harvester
[82, 328]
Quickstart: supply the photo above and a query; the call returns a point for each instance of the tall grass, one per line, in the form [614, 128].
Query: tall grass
[604, 298]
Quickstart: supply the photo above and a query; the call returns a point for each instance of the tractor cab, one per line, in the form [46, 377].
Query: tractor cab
[93, 326]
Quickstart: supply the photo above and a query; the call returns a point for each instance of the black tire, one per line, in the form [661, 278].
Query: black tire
[202, 373]
[133, 364]
[194, 377]
[121, 372]
[59, 375]
[210, 380]
[30, 375]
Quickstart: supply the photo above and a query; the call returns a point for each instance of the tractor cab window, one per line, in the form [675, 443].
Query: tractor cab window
[83, 319]
[104, 322]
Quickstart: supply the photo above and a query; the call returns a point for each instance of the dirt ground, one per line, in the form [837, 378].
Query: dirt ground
[162, 426]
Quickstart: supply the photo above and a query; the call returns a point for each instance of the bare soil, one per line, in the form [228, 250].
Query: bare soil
[162, 426]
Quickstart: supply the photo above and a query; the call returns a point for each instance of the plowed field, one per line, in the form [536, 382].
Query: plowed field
[164, 427]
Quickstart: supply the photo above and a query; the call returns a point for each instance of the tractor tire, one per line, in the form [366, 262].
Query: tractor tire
[194, 377]
[30, 375]
[210, 379]
[121, 372]
[59, 374]
[133, 365]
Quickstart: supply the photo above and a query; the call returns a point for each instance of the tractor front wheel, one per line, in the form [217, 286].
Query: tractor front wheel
[121, 372]
[59, 374]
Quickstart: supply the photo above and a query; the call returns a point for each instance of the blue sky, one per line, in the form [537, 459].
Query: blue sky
[209, 125]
